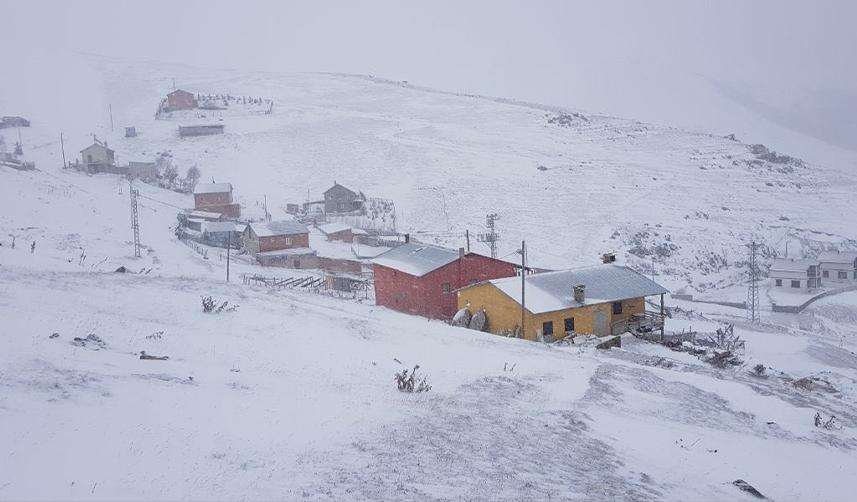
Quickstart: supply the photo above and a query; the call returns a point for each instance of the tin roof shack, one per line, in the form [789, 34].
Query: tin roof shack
[223, 234]
[216, 198]
[337, 232]
[181, 99]
[98, 158]
[338, 199]
[600, 300]
[838, 266]
[795, 273]
[280, 243]
[200, 130]
[421, 279]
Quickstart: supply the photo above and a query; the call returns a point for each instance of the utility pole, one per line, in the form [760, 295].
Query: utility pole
[228, 249]
[491, 237]
[467, 237]
[523, 287]
[135, 221]
[753, 311]
[110, 108]
[265, 207]
[62, 146]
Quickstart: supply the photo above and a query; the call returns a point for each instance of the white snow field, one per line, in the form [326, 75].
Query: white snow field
[292, 395]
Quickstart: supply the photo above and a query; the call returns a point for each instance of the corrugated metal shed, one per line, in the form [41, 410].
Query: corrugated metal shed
[553, 291]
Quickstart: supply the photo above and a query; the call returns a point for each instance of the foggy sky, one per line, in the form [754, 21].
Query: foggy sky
[786, 63]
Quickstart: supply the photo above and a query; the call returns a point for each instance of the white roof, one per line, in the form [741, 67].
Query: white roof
[203, 214]
[213, 188]
[284, 227]
[332, 228]
[792, 264]
[359, 231]
[416, 259]
[551, 291]
[366, 251]
[844, 257]
[222, 226]
[287, 252]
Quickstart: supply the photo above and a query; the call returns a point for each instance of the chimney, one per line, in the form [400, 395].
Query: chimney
[407, 238]
[579, 294]
[608, 257]
[461, 252]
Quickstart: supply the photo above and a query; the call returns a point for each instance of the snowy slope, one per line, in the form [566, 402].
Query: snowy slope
[573, 190]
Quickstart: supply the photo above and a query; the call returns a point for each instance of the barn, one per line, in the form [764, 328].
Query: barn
[421, 279]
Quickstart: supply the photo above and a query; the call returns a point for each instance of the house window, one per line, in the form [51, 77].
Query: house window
[617, 308]
[446, 287]
[825, 273]
[547, 328]
[569, 325]
[288, 241]
[795, 284]
[855, 274]
[778, 282]
[843, 275]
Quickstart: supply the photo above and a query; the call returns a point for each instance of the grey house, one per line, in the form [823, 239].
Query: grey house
[839, 266]
[97, 158]
[338, 199]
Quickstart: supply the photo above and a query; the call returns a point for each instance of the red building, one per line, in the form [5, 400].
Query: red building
[180, 99]
[421, 279]
[337, 232]
[216, 198]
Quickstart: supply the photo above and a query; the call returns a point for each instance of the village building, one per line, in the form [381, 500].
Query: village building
[838, 266]
[223, 233]
[200, 130]
[338, 199]
[421, 279]
[280, 244]
[216, 198]
[600, 300]
[337, 232]
[180, 99]
[797, 274]
[98, 158]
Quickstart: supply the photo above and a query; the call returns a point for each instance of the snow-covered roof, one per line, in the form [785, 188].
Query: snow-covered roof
[213, 188]
[792, 264]
[98, 146]
[843, 257]
[284, 227]
[366, 251]
[416, 259]
[222, 226]
[332, 228]
[551, 291]
[203, 214]
[359, 231]
[288, 252]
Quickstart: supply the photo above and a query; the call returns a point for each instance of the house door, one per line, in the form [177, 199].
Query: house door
[600, 323]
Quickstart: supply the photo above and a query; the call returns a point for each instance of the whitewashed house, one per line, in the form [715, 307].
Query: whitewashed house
[838, 266]
[795, 273]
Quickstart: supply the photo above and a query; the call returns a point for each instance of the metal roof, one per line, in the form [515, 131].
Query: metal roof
[416, 259]
[288, 252]
[332, 228]
[551, 291]
[792, 264]
[284, 227]
[844, 257]
[222, 226]
[213, 188]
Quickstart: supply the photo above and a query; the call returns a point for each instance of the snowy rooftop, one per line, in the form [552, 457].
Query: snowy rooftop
[284, 227]
[416, 259]
[287, 252]
[222, 226]
[203, 214]
[552, 291]
[332, 228]
[213, 188]
[792, 264]
[367, 251]
[845, 257]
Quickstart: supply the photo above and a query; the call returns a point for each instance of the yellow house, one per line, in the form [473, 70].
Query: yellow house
[601, 300]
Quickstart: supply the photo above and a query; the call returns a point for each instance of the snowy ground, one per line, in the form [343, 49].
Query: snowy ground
[292, 395]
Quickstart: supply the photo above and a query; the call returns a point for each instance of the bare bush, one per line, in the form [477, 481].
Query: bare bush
[210, 305]
[407, 381]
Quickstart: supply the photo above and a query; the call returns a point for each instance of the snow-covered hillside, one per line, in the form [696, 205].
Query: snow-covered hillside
[573, 184]
[292, 395]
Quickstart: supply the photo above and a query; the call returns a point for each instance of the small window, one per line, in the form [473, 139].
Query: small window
[569, 325]
[446, 287]
[795, 284]
[547, 328]
[843, 274]
[778, 282]
[825, 273]
[855, 274]
[617, 308]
